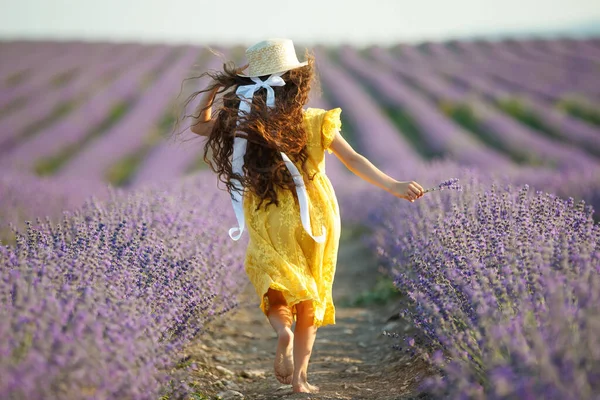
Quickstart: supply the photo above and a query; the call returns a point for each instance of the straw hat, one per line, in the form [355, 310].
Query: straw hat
[271, 56]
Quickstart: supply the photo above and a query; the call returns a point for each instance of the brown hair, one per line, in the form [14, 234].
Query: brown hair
[268, 131]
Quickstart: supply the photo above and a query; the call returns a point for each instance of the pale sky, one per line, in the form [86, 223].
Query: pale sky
[360, 22]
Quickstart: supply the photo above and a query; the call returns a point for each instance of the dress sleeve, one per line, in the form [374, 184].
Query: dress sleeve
[331, 125]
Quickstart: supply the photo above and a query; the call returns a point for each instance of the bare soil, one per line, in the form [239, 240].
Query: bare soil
[352, 359]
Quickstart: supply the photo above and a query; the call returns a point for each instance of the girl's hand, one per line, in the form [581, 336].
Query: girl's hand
[410, 191]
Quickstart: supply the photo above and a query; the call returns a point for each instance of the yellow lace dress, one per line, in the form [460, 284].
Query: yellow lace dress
[280, 254]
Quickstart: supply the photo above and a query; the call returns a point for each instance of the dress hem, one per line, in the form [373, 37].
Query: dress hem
[264, 305]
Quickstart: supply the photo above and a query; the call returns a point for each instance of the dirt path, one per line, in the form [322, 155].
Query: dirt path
[351, 359]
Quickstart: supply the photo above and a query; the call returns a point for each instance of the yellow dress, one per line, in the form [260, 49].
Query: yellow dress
[280, 254]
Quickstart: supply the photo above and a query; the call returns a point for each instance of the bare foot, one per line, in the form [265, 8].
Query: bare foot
[284, 360]
[305, 387]
[313, 388]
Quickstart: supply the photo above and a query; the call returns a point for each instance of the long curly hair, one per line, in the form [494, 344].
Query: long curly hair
[269, 131]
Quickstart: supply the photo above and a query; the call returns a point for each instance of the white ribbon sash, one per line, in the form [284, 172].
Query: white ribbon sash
[246, 93]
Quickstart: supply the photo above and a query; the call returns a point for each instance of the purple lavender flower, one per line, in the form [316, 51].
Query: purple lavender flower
[451, 184]
[110, 296]
[502, 281]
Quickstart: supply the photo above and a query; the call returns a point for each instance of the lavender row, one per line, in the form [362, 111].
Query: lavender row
[556, 66]
[42, 79]
[563, 125]
[581, 51]
[24, 58]
[565, 74]
[76, 90]
[508, 75]
[74, 128]
[526, 64]
[503, 63]
[575, 55]
[581, 183]
[500, 281]
[128, 134]
[518, 74]
[440, 133]
[513, 136]
[532, 145]
[582, 46]
[100, 305]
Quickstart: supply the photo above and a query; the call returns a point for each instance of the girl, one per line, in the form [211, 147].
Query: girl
[269, 152]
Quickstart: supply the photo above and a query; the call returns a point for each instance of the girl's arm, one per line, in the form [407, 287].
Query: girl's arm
[203, 124]
[364, 169]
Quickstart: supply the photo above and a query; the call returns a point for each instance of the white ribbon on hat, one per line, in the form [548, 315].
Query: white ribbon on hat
[246, 93]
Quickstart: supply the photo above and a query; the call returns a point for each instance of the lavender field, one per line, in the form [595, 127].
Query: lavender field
[114, 250]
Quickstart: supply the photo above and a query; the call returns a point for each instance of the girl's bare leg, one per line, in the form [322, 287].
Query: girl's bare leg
[281, 319]
[304, 338]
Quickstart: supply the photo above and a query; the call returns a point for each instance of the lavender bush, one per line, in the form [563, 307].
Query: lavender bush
[99, 305]
[505, 287]
[448, 184]
[25, 197]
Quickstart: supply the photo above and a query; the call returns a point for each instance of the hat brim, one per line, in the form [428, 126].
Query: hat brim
[302, 64]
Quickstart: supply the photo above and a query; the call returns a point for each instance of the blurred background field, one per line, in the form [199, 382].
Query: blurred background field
[78, 117]
[89, 92]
